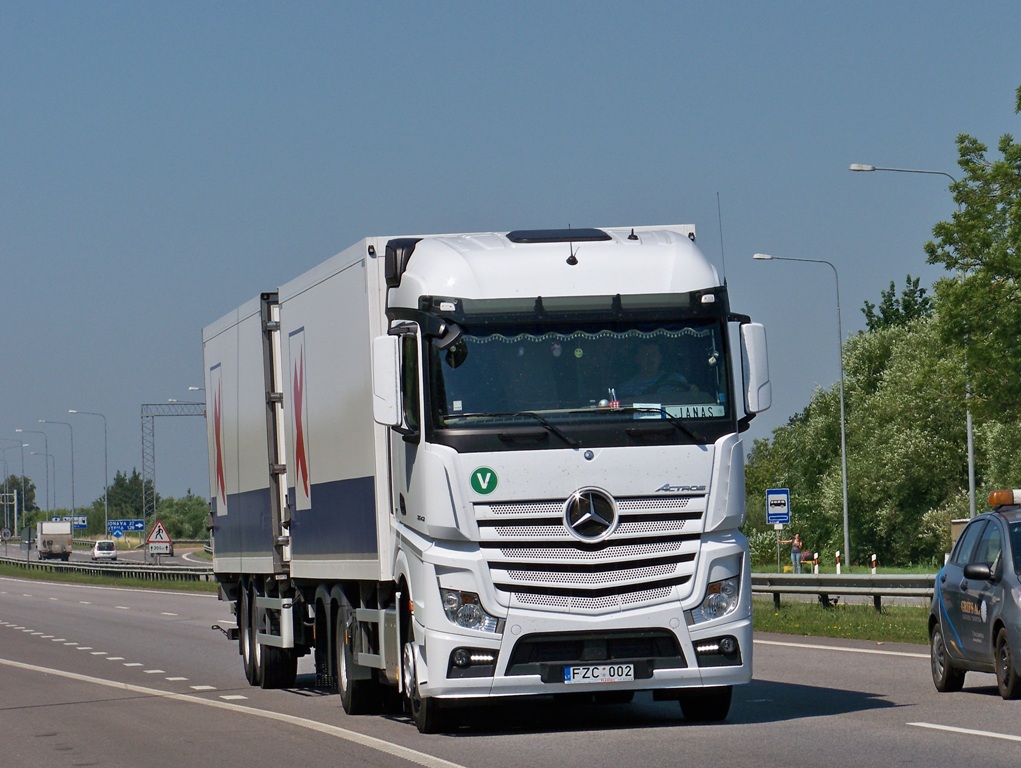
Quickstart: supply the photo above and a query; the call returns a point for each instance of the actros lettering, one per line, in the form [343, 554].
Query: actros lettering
[681, 489]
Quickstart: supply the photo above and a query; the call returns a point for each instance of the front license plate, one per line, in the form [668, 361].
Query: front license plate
[600, 673]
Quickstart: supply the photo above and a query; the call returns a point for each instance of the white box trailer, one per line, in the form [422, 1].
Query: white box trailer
[445, 466]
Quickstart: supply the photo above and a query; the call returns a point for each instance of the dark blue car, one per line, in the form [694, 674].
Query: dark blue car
[975, 619]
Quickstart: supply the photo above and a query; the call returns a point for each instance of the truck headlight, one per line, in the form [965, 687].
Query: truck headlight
[465, 610]
[721, 598]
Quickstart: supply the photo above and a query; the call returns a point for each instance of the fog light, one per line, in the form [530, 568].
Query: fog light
[728, 645]
[462, 658]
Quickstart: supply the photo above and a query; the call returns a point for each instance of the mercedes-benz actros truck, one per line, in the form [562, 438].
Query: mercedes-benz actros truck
[462, 466]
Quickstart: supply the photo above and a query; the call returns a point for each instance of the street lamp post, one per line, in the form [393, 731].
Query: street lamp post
[71, 430]
[106, 470]
[863, 168]
[46, 447]
[843, 419]
[48, 458]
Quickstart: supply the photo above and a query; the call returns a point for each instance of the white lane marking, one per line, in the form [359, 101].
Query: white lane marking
[843, 649]
[167, 613]
[155, 671]
[203, 687]
[175, 679]
[234, 697]
[123, 608]
[411, 755]
[99, 653]
[132, 663]
[115, 658]
[967, 731]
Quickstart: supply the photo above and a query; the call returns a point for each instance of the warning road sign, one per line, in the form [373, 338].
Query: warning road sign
[158, 535]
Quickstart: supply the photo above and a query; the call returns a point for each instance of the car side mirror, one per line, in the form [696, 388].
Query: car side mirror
[978, 572]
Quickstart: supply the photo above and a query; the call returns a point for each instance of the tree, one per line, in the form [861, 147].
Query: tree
[185, 518]
[124, 496]
[913, 304]
[25, 490]
[980, 306]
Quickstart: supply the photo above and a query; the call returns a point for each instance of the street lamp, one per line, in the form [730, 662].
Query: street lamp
[106, 470]
[49, 458]
[861, 167]
[843, 420]
[46, 447]
[71, 430]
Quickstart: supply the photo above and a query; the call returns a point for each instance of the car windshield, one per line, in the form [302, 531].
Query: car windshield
[105, 546]
[671, 371]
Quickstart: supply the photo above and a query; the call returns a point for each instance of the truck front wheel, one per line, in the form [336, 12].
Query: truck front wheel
[426, 712]
[707, 705]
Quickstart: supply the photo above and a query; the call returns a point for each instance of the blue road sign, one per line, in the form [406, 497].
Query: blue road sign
[121, 526]
[778, 506]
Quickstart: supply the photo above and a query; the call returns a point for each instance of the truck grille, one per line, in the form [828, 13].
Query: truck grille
[536, 562]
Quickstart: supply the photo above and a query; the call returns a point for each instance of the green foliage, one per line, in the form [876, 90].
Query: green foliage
[910, 379]
[913, 304]
[184, 518]
[980, 307]
[25, 490]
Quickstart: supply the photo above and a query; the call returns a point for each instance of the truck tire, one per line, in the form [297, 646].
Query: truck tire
[707, 705]
[357, 696]
[426, 712]
[246, 639]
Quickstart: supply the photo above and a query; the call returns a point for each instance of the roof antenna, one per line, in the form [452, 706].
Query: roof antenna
[719, 214]
[572, 259]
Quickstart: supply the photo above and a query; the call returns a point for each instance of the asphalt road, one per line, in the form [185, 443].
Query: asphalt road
[104, 676]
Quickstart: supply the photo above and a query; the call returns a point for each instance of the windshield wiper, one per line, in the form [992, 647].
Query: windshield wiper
[662, 411]
[549, 426]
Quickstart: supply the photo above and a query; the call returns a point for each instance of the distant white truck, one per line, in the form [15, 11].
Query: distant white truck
[54, 539]
[494, 464]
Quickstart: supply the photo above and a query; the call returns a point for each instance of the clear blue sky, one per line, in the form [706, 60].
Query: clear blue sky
[162, 162]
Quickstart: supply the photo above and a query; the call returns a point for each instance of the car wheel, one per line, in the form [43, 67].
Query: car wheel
[944, 676]
[1007, 678]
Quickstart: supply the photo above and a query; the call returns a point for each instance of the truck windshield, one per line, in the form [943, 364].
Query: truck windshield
[561, 378]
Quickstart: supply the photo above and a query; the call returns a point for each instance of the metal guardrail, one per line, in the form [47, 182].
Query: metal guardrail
[121, 570]
[828, 585]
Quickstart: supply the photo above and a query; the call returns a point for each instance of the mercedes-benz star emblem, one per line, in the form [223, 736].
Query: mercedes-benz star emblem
[590, 515]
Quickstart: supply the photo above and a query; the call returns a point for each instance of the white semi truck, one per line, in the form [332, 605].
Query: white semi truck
[463, 466]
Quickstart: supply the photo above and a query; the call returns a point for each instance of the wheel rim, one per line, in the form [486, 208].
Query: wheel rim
[1006, 666]
[938, 656]
[410, 678]
[342, 672]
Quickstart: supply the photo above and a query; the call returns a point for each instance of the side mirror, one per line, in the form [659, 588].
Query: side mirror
[758, 393]
[386, 395]
[978, 572]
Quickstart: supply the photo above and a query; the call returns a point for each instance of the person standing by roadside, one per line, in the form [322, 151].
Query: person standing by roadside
[796, 546]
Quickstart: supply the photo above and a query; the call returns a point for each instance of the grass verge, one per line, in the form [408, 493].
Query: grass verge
[894, 624]
[15, 572]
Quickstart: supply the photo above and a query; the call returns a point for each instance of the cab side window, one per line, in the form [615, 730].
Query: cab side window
[966, 544]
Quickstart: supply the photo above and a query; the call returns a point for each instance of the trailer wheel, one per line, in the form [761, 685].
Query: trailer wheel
[707, 705]
[245, 638]
[358, 696]
[426, 712]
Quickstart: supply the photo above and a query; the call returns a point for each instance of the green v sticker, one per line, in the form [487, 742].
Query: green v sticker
[483, 480]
